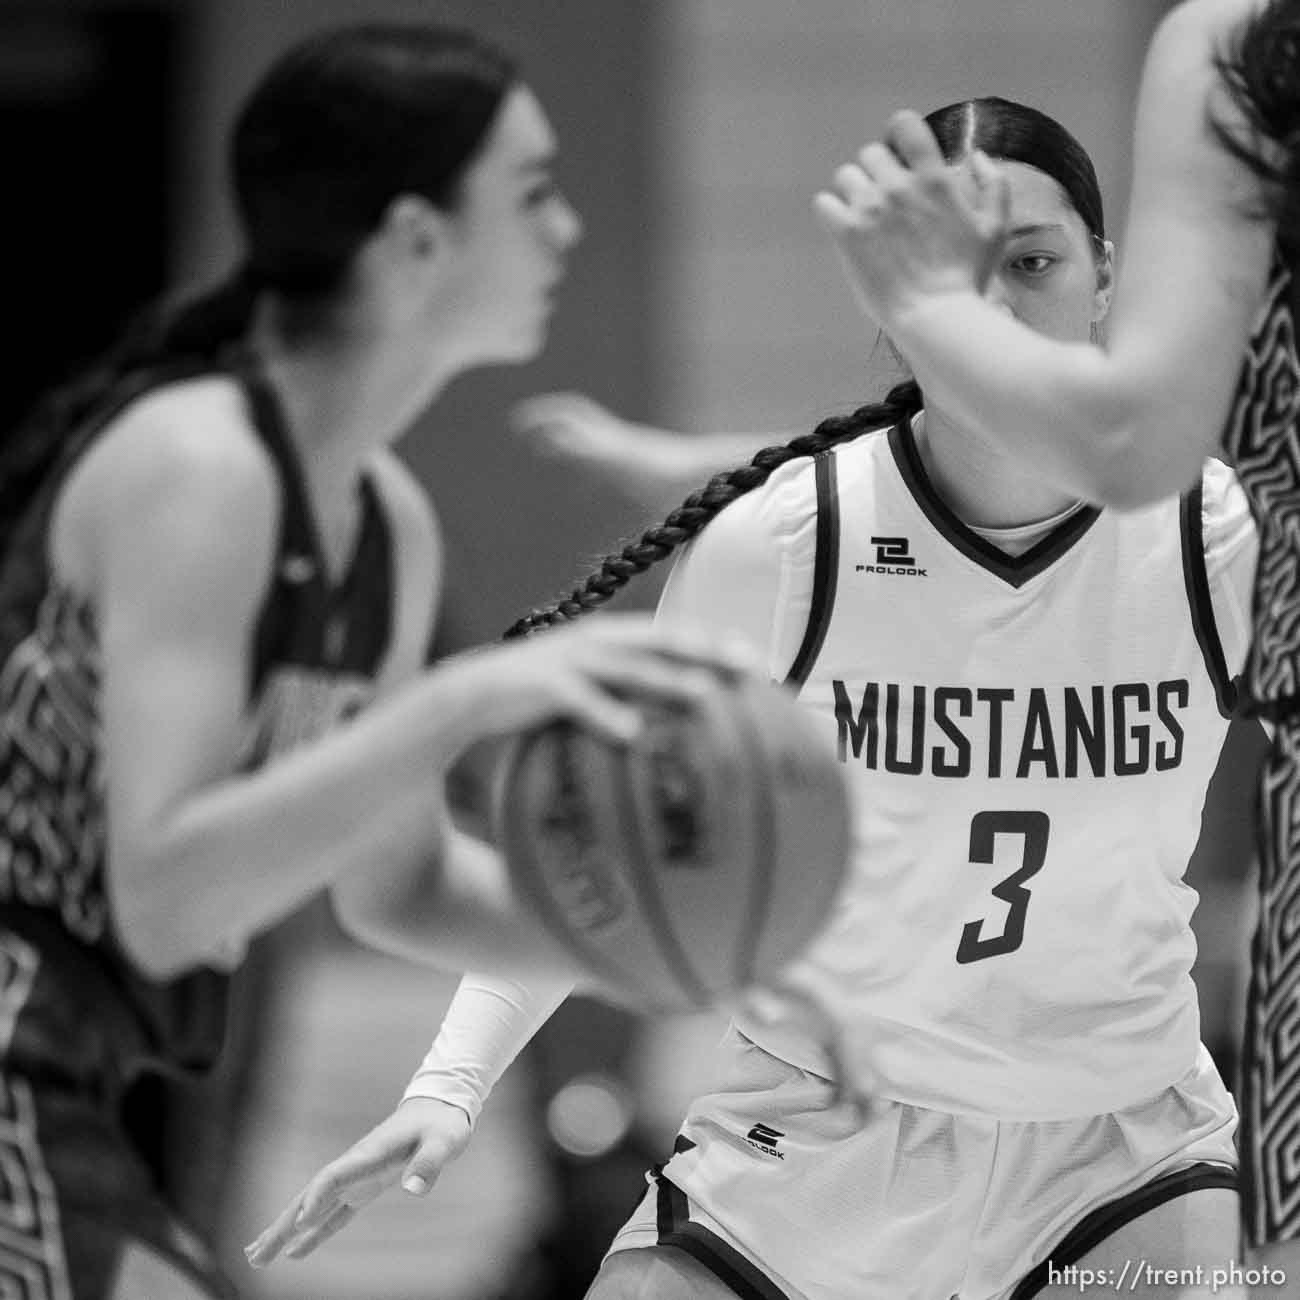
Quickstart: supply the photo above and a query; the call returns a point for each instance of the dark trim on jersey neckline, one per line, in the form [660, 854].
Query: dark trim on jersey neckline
[1197, 581]
[1094, 1228]
[268, 411]
[1014, 570]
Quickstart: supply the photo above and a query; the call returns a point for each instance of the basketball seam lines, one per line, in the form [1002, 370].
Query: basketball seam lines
[547, 907]
[760, 891]
[646, 890]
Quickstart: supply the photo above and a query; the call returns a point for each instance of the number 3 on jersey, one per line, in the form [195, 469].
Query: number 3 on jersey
[985, 827]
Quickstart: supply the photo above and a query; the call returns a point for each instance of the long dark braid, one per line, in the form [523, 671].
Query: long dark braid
[619, 568]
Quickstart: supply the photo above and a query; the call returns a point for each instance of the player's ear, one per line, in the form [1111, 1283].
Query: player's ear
[1105, 289]
[414, 228]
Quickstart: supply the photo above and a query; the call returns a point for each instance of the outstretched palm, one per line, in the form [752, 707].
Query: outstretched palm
[414, 1143]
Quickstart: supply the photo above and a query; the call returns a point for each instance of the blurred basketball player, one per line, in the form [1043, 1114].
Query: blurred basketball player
[216, 601]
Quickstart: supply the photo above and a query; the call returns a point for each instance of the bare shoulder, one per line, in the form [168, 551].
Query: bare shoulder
[182, 461]
[196, 432]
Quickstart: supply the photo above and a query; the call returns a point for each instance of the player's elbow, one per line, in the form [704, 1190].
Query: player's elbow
[1128, 447]
[377, 913]
[162, 939]
[1134, 467]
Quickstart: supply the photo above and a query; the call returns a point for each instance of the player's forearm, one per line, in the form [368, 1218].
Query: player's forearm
[242, 853]
[1085, 418]
[460, 916]
[487, 1025]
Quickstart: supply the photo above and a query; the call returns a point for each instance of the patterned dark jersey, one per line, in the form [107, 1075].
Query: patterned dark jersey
[317, 649]
[1262, 441]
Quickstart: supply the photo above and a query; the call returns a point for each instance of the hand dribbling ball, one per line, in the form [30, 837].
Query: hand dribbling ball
[690, 865]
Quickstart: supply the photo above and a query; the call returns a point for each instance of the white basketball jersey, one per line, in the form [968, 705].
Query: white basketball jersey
[1030, 741]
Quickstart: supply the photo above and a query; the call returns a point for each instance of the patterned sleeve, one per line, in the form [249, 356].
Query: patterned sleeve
[749, 574]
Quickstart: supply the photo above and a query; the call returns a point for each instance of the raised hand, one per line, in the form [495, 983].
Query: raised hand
[577, 428]
[908, 224]
[413, 1145]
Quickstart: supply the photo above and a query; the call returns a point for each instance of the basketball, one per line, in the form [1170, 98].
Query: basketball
[690, 865]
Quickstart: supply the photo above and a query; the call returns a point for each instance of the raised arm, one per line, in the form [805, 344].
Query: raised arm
[1126, 424]
[651, 466]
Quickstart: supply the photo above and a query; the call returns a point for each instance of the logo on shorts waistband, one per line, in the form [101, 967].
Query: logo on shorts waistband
[764, 1139]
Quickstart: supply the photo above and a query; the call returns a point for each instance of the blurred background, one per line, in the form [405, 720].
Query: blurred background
[693, 134]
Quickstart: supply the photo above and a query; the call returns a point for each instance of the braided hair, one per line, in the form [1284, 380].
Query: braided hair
[1002, 128]
[619, 568]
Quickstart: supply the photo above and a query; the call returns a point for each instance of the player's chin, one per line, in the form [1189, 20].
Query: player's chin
[527, 340]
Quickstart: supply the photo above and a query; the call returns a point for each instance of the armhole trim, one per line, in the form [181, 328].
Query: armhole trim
[1197, 581]
[825, 570]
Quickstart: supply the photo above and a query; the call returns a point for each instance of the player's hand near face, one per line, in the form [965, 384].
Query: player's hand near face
[412, 1146]
[908, 224]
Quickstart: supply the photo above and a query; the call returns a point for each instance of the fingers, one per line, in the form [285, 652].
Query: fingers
[420, 1175]
[992, 186]
[634, 661]
[306, 1242]
[854, 187]
[910, 139]
[832, 212]
[267, 1247]
[554, 414]
[679, 642]
[356, 1176]
[598, 700]
[862, 191]
[881, 166]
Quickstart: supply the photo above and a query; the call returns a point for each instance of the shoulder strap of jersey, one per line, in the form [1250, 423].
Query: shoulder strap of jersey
[1197, 581]
[825, 569]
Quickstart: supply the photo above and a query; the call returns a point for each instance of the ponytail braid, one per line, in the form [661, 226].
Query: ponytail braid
[618, 569]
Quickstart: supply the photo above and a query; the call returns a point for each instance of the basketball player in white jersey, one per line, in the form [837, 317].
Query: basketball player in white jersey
[1031, 695]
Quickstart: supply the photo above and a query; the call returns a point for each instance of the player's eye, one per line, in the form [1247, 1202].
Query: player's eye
[1035, 264]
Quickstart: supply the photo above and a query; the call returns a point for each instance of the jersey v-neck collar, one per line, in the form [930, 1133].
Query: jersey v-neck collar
[1014, 570]
[313, 564]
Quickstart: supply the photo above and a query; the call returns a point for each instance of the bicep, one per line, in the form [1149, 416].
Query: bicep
[176, 602]
[459, 912]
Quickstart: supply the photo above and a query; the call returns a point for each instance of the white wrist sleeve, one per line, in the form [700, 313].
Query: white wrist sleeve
[487, 1025]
